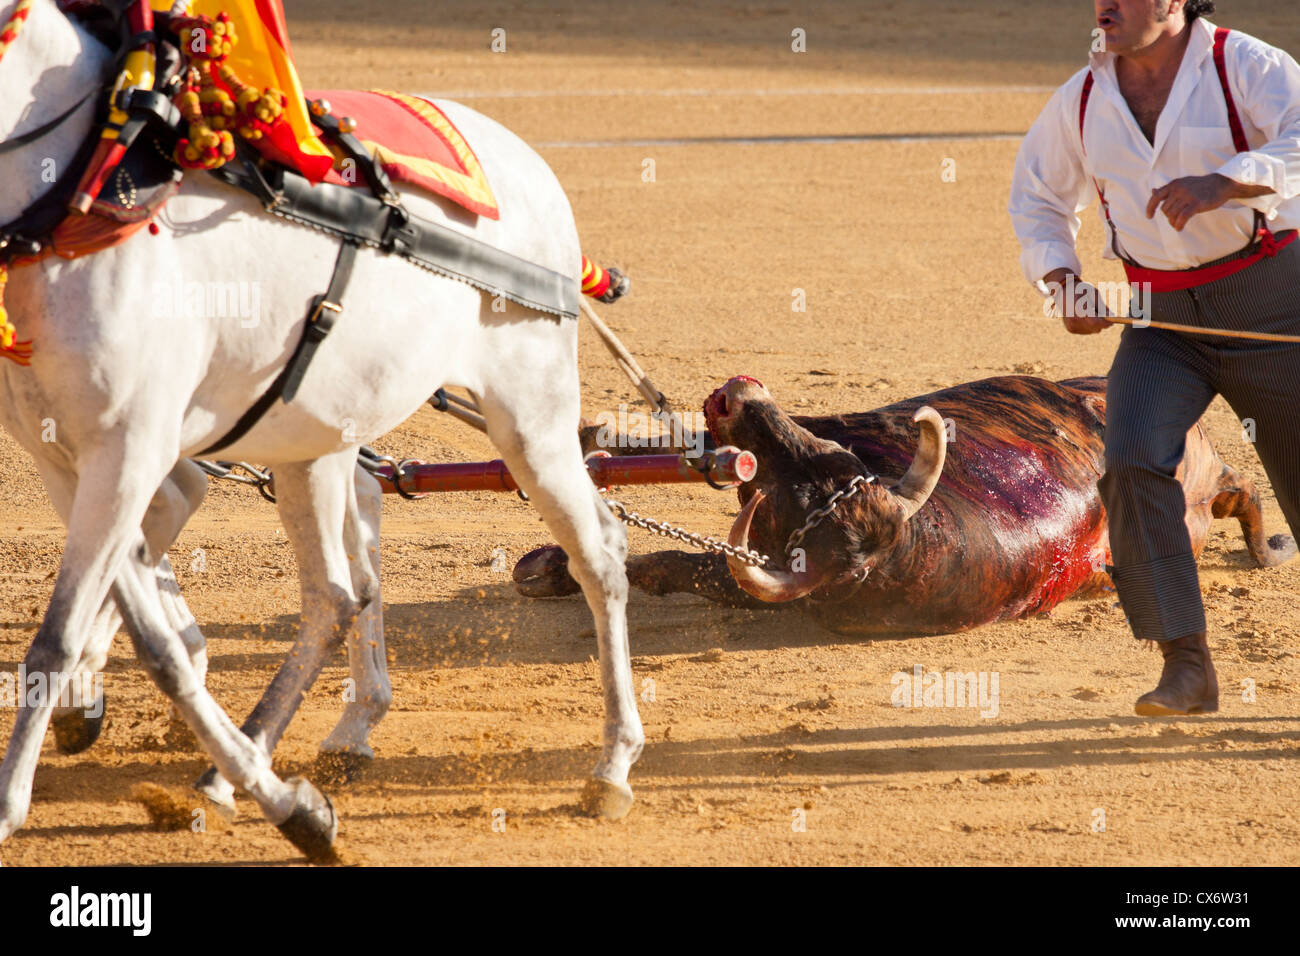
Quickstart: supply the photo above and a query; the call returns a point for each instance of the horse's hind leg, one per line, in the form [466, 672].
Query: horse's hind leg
[529, 414]
[303, 815]
[1238, 498]
[317, 503]
[370, 693]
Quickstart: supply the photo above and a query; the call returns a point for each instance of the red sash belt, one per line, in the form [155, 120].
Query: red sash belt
[1163, 280]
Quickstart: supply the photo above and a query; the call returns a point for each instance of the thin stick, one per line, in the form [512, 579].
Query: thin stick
[626, 362]
[1197, 330]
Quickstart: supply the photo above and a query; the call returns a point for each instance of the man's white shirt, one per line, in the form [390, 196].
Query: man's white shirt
[1054, 174]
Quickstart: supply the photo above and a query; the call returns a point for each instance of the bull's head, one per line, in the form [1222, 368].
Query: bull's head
[799, 472]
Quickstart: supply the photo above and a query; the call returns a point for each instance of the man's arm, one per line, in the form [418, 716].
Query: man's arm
[1266, 84]
[1048, 189]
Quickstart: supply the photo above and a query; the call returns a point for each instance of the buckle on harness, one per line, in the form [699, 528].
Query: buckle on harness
[322, 305]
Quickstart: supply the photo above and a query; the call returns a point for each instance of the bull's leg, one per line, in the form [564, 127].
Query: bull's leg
[545, 573]
[528, 417]
[370, 693]
[315, 499]
[1237, 498]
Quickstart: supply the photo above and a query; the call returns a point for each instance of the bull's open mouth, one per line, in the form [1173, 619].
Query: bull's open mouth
[715, 408]
[718, 407]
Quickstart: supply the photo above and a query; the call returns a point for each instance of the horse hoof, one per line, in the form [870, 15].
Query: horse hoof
[605, 799]
[338, 767]
[75, 731]
[218, 792]
[545, 573]
[312, 826]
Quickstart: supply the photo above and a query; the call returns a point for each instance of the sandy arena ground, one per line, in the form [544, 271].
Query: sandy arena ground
[912, 283]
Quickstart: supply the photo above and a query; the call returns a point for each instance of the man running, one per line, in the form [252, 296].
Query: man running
[1190, 137]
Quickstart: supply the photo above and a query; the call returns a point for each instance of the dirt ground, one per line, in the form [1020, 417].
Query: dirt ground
[912, 283]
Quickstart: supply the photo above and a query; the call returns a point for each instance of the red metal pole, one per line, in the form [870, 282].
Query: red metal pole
[726, 466]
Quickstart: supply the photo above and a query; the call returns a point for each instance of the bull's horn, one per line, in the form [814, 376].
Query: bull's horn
[923, 474]
[771, 586]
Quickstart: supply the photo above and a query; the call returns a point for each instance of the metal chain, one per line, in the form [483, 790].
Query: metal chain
[373, 462]
[702, 541]
[262, 480]
[816, 517]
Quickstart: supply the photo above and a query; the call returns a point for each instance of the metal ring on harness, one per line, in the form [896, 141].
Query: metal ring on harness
[399, 472]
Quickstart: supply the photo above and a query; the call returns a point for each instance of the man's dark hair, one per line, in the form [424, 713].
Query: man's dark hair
[1197, 8]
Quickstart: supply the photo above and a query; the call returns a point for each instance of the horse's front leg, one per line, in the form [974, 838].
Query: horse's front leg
[115, 484]
[77, 728]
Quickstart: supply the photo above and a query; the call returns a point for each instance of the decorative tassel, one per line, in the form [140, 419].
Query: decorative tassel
[215, 102]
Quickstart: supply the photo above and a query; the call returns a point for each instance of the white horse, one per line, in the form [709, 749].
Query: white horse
[131, 396]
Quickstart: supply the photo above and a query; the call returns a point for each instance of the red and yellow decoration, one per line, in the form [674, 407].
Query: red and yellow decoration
[14, 26]
[595, 280]
[415, 143]
[217, 104]
[10, 347]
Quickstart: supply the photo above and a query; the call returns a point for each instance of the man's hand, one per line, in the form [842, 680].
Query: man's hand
[1078, 303]
[1184, 198]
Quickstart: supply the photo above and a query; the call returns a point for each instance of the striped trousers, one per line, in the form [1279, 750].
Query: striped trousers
[1161, 382]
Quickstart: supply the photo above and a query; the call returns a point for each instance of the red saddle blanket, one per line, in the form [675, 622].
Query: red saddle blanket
[415, 143]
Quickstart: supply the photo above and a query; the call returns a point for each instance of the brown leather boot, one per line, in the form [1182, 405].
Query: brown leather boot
[1188, 684]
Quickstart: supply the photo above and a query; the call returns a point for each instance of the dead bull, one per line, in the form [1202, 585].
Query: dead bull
[1001, 522]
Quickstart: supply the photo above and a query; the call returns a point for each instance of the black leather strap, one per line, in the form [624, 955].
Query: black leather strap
[321, 316]
[32, 135]
[324, 312]
[355, 214]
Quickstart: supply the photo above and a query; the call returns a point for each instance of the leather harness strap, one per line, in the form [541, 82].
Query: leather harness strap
[351, 213]
[321, 316]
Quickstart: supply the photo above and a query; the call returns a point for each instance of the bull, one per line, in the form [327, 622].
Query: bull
[990, 514]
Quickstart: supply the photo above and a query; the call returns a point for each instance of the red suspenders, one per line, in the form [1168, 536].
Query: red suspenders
[1162, 280]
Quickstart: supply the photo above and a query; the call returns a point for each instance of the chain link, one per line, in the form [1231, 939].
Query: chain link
[262, 480]
[816, 517]
[702, 541]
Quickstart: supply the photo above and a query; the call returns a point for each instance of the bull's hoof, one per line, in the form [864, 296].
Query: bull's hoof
[313, 825]
[75, 731]
[545, 573]
[1282, 548]
[605, 799]
[339, 767]
[619, 286]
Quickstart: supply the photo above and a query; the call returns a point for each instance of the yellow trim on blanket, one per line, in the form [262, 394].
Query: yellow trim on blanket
[474, 186]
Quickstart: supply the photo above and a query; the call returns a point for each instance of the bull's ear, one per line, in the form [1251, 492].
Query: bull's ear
[1096, 407]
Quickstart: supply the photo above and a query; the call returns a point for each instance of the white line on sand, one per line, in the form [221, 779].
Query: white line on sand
[815, 139]
[814, 91]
